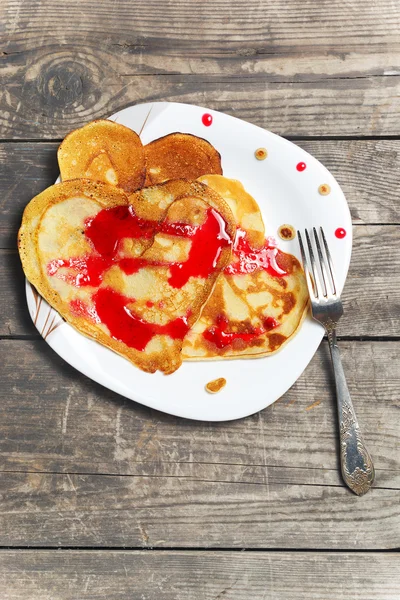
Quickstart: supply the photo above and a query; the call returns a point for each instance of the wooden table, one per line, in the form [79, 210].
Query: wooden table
[103, 498]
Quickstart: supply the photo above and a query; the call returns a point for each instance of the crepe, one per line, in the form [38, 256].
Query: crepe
[103, 151]
[259, 300]
[180, 155]
[131, 274]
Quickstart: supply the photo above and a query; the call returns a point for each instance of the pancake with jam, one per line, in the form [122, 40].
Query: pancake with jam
[260, 299]
[180, 156]
[134, 283]
[103, 151]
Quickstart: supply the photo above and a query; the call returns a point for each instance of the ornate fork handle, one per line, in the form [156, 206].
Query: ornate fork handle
[355, 461]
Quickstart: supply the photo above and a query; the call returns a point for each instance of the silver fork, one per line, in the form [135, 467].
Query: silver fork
[355, 461]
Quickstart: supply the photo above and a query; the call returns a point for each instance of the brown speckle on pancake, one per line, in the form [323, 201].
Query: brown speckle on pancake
[276, 340]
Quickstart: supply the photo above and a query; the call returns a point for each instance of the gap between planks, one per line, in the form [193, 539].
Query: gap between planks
[219, 549]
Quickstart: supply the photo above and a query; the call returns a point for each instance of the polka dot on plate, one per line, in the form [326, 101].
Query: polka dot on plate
[301, 166]
[207, 119]
[261, 153]
[286, 232]
[324, 189]
[340, 233]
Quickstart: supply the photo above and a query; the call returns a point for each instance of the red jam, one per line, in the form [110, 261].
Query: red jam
[249, 260]
[80, 309]
[105, 232]
[219, 335]
[112, 225]
[86, 270]
[246, 260]
[124, 325]
[301, 166]
[208, 240]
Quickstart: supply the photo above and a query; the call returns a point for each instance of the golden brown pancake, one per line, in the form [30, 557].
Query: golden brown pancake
[103, 151]
[180, 156]
[261, 297]
[135, 283]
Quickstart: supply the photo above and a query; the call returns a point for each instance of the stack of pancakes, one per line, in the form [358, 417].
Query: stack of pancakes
[153, 253]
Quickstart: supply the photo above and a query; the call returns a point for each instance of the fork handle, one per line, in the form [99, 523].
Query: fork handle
[355, 461]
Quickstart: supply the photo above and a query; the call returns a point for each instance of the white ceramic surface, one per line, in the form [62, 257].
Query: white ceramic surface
[285, 195]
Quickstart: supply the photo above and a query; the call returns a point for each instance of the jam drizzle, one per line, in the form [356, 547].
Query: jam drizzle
[249, 260]
[218, 334]
[111, 225]
[207, 244]
[105, 232]
[246, 260]
[127, 327]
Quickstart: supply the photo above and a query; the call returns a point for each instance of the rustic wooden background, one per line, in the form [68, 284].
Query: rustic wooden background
[102, 498]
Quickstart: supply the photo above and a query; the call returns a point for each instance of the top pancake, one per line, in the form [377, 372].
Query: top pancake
[180, 156]
[103, 151]
[259, 300]
[80, 243]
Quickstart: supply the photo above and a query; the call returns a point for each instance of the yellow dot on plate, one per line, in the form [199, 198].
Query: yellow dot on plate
[216, 385]
[324, 189]
[261, 153]
[286, 232]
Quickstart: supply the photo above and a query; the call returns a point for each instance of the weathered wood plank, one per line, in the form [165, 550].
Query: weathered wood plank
[366, 170]
[297, 69]
[14, 316]
[56, 420]
[26, 170]
[46, 103]
[217, 27]
[370, 310]
[138, 575]
[43, 509]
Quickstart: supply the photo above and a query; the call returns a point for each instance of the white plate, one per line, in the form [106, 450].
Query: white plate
[285, 195]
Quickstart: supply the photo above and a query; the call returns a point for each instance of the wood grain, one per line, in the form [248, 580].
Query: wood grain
[52, 101]
[43, 509]
[113, 575]
[296, 69]
[197, 24]
[56, 420]
[370, 310]
[366, 170]
[81, 466]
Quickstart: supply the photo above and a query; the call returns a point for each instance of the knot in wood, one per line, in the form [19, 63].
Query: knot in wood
[62, 85]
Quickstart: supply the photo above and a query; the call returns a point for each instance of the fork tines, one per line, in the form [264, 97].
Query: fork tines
[318, 287]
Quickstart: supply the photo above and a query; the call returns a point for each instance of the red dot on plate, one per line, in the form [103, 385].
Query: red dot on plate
[206, 119]
[340, 233]
[301, 166]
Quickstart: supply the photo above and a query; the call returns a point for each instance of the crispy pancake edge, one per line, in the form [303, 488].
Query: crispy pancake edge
[131, 176]
[161, 145]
